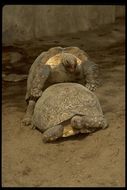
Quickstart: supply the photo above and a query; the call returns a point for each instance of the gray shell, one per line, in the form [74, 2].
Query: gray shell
[43, 58]
[61, 102]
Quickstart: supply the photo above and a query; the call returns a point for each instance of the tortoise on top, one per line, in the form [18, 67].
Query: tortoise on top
[57, 65]
[67, 109]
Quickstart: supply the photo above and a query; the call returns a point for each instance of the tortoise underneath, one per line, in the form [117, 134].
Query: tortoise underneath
[67, 109]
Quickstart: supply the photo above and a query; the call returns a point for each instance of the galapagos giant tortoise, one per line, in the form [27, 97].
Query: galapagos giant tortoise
[66, 109]
[56, 65]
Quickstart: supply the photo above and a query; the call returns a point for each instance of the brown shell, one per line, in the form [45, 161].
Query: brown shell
[50, 55]
[62, 101]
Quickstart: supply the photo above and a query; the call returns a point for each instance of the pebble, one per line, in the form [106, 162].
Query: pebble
[11, 57]
[67, 160]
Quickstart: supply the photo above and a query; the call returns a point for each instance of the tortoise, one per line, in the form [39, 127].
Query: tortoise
[70, 64]
[66, 109]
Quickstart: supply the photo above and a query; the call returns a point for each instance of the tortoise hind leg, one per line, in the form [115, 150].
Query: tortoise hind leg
[29, 112]
[90, 123]
[53, 133]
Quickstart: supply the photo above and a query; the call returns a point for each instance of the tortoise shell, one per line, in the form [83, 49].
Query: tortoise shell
[62, 101]
[52, 57]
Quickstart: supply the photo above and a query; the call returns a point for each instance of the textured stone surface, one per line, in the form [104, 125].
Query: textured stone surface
[13, 77]
[120, 11]
[23, 22]
[11, 57]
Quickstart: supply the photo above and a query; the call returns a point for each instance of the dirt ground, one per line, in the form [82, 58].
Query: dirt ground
[96, 160]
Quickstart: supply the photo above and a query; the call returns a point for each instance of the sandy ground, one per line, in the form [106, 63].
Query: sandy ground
[96, 160]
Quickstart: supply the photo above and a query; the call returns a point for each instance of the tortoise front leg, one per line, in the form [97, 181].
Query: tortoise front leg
[53, 133]
[91, 72]
[41, 76]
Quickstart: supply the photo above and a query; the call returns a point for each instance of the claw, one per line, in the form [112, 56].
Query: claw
[26, 121]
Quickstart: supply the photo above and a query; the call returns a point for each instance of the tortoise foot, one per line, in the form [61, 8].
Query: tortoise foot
[53, 133]
[27, 120]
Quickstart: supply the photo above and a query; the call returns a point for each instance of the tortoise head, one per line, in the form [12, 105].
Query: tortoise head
[69, 62]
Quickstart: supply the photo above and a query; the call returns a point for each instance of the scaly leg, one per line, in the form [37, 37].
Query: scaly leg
[91, 72]
[89, 123]
[29, 112]
[53, 133]
[41, 76]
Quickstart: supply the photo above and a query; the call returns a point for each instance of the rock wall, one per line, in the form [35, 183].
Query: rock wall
[120, 11]
[26, 22]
